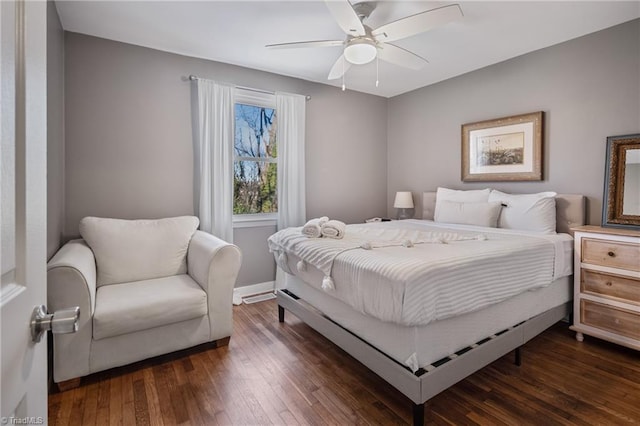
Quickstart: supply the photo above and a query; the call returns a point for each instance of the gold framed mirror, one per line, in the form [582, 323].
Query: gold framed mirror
[621, 203]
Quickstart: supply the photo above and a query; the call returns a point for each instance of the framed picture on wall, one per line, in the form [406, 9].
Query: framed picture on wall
[503, 149]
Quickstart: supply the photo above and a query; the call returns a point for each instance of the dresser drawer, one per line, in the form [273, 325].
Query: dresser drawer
[625, 288]
[615, 320]
[611, 253]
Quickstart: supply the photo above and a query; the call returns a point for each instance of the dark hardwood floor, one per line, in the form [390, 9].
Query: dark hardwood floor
[274, 373]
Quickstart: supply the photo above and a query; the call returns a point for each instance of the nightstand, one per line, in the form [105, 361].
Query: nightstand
[606, 285]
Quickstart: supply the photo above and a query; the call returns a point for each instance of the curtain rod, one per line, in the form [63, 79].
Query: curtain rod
[251, 89]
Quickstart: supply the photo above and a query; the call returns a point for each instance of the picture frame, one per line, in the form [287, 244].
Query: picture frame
[621, 200]
[505, 149]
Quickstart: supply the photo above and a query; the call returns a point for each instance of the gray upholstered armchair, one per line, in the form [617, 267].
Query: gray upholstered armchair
[144, 288]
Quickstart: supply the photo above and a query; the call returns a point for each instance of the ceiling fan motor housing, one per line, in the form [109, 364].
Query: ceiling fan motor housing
[364, 9]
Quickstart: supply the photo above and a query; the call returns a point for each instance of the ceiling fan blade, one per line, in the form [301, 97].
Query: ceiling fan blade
[346, 17]
[399, 56]
[299, 44]
[339, 68]
[418, 23]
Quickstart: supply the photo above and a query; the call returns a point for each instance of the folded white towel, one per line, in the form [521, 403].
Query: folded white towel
[313, 228]
[333, 229]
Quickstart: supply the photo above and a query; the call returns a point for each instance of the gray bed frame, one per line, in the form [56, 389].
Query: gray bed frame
[421, 386]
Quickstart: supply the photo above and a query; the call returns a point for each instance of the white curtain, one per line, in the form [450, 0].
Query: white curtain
[214, 158]
[291, 176]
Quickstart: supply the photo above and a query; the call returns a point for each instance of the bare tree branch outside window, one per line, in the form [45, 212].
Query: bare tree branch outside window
[255, 163]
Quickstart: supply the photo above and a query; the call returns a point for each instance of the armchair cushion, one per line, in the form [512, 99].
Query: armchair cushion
[134, 250]
[129, 307]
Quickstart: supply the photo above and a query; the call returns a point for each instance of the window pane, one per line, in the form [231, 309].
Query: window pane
[254, 187]
[255, 132]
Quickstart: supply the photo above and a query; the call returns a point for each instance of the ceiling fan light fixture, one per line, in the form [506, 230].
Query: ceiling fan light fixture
[360, 52]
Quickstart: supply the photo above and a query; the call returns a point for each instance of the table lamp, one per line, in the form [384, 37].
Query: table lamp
[404, 204]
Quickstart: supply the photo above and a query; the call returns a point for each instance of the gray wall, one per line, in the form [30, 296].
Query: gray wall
[55, 130]
[253, 243]
[128, 141]
[588, 88]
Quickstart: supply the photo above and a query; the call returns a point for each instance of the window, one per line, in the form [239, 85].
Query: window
[255, 168]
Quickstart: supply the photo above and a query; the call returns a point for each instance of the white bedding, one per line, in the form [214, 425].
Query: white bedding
[413, 272]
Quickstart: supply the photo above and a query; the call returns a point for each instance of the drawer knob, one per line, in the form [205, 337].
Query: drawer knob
[608, 283]
[611, 254]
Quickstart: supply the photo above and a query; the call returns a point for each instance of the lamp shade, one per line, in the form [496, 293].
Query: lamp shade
[404, 200]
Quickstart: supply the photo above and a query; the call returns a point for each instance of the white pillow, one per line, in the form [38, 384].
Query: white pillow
[135, 250]
[481, 214]
[527, 212]
[470, 196]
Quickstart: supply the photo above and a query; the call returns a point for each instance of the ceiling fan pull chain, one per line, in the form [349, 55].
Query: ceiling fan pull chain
[344, 87]
[377, 61]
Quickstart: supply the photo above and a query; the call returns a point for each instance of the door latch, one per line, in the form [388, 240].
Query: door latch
[64, 321]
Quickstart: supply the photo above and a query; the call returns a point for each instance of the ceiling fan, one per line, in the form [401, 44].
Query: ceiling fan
[364, 44]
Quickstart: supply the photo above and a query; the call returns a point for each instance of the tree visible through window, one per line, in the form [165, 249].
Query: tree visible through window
[255, 176]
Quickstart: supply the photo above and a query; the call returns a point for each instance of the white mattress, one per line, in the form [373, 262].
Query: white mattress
[419, 346]
[414, 272]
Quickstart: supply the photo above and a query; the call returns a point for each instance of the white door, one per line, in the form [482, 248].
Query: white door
[23, 165]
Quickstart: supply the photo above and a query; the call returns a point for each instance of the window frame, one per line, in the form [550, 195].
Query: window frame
[263, 100]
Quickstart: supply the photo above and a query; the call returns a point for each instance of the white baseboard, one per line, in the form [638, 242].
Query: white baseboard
[252, 290]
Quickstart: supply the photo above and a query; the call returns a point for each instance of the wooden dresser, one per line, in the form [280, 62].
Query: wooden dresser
[606, 286]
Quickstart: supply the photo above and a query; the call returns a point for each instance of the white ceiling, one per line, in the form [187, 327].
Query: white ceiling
[235, 32]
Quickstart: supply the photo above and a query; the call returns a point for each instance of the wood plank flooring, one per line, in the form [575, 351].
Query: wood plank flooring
[287, 374]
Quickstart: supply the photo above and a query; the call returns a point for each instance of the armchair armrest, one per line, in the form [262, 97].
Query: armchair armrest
[214, 264]
[71, 281]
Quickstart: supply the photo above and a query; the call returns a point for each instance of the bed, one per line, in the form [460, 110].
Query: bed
[391, 325]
